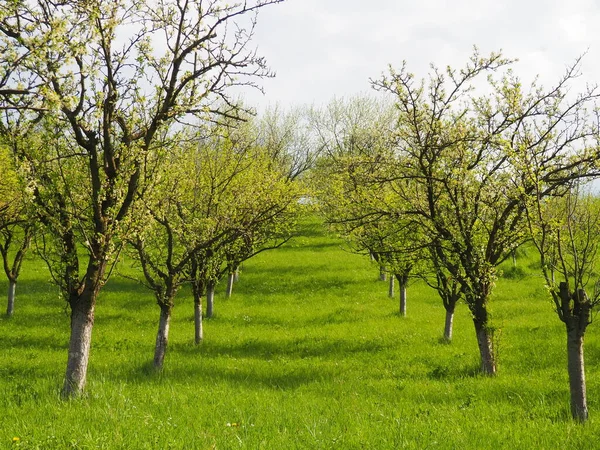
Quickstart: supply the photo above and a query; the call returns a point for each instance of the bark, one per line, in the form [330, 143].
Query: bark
[402, 281]
[236, 275]
[575, 312]
[210, 297]
[12, 287]
[448, 328]
[82, 322]
[391, 288]
[486, 348]
[579, 409]
[230, 280]
[162, 337]
[198, 291]
[198, 331]
[382, 274]
[403, 299]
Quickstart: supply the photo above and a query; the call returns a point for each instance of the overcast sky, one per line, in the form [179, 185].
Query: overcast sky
[325, 48]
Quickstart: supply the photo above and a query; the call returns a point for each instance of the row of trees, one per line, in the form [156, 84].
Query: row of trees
[96, 100]
[455, 172]
[118, 129]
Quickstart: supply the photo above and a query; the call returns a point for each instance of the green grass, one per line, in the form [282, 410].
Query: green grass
[309, 353]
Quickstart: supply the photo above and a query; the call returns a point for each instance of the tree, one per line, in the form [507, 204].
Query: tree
[215, 195]
[290, 139]
[108, 79]
[448, 287]
[566, 232]
[467, 154]
[16, 225]
[247, 193]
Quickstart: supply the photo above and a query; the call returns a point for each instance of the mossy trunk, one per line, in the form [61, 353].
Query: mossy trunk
[162, 337]
[12, 289]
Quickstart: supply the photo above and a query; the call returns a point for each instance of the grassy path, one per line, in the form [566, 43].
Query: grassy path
[309, 353]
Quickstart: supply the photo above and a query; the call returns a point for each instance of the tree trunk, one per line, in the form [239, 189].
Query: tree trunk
[12, 287]
[236, 274]
[449, 324]
[230, 280]
[198, 292]
[82, 322]
[402, 281]
[579, 409]
[391, 288]
[382, 273]
[198, 331]
[486, 348]
[162, 337]
[210, 297]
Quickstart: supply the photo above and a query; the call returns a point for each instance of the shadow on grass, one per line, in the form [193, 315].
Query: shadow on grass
[277, 379]
[32, 342]
[295, 349]
[312, 247]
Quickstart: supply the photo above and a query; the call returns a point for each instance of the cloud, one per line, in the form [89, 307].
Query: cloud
[326, 48]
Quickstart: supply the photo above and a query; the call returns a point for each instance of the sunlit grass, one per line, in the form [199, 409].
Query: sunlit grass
[308, 353]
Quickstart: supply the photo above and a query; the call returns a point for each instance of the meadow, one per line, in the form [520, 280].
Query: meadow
[309, 353]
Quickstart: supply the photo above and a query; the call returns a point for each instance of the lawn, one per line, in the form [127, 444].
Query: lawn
[309, 353]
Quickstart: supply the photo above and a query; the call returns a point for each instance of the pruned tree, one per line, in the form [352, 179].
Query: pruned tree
[566, 232]
[108, 79]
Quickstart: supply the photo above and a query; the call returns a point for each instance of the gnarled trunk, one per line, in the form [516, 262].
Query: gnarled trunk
[162, 337]
[82, 322]
[12, 288]
[576, 368]
[210, 298]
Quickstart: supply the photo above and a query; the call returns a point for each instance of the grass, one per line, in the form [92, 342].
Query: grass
[309, 353]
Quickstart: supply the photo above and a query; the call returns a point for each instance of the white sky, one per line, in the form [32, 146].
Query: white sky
[325, 48]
